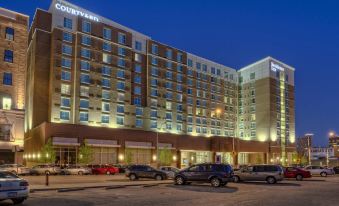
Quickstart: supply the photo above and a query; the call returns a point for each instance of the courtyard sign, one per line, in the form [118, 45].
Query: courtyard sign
[275, 67]
[75, 12]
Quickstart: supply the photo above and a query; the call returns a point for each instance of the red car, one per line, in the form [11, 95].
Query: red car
[104, 169]
[297, 173]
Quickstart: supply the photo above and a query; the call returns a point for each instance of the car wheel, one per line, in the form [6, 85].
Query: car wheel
[271, 180]
[179, 180]
[80, 173]
[158, 177]
[47, 172]
[236, 179]
[215, 182]
[299, 177]
[18, 200]
[132, 177]
[323, 174]
[108, 173]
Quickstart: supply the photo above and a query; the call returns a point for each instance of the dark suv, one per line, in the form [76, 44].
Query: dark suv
[216, 174]
[135, 172]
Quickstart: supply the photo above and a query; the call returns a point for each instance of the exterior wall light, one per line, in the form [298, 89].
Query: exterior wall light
[154, 157]
[121, 157]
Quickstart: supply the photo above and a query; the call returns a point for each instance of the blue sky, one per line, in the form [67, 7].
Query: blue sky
[303, 34]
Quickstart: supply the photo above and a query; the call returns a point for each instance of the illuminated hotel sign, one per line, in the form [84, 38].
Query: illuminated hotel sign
[75, 12]
[275, 67]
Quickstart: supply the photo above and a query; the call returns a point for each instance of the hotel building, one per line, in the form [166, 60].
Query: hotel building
[129, 96]
[13, 46]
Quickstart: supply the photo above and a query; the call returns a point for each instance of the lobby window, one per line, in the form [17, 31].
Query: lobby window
[66, 63]
[107, 33]
[105, 119]
[120, 85]
[85, 65]
[121, 74]
[137, 101]
[137, 68]
[67, 37]
[65, 102]
[84, 79]
[155, 49]
[138, 111]
[86, 26]
[106, 71]
[106, 83]
[137, 57]
[65, 76]
[84, 104]
[65, 89]
[137, 79]
[138, 123]
[106, 58]
[138, 46]
[86, 53]
[66, 49]
[121, 63]
[105, 94]
[106, 47]
[68, 23]
[9, 33]
[84, 91]
[120, 120]
[105, 106]
[179, 57]
[6, 103]
[8, 56]
[137, 90]
[121, 38]
[169, 54]
[83, 116]
[64, 115]
[121, 97]
[86, 40]
[121, 51]
[7, 78]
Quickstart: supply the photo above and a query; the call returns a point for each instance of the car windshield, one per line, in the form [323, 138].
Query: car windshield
[7, 175]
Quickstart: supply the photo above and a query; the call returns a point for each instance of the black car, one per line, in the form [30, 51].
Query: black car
[216, 174]
[135, 172]
[336, 169]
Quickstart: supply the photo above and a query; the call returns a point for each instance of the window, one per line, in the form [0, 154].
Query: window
[106, 94]
[137, 68]
[121, 62]
[121, 51]
[137, 101]
[8, 56]
[84, 78]
[66, 49]
[105, 107]
[65, 89]
[86, 26]
[86, 53]
[120, 120]
[66, 63]
[107, 47]
[84, 103]
[252, 76]
[121, 85]
[6, 103]
[154, 113]
[121, 74]
[64, 115]
[154, 71]
[105, 119]
[65, 102]
[137, 79]
[9, 33]
[138, 122]
[137, 57]
[106, 71]
[107, 33]
[86, 40]
[121, 38]
[67, 37]
[154, 60]
[179, 127]
[168, 65]
[7, 78]
[106, 83]
[154, 124]
[106, 58]
[180, 68]
[179, 77]
[169, 54]
[138, 45]
[168, 105]
[83, 116]
[154, 49]
[138, 111]
[137, 90]
[179, 57]
[85, 65]
[84, 91]
[189, 62]
[121, 97]
[65, 76]
[68, 23]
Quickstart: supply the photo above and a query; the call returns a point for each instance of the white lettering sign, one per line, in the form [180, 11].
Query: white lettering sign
[75, 12]
[275, 67]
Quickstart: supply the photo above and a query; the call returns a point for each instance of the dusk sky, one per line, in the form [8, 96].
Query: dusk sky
[236, 33]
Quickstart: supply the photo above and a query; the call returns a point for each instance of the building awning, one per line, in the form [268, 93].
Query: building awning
[102, 143]
[139, 145]
[65, 141]
[166, 146]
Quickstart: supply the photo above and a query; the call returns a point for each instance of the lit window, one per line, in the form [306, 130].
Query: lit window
[68, 23]
[106, 58]
[121, 97]
[7, 78]
[9, 33]
[6, 103]
[65, 89]
[86, 26]
[8, 56]
[137, 57]
[84, 91]
[64, 115]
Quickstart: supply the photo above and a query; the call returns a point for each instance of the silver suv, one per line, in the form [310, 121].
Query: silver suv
[269, 173]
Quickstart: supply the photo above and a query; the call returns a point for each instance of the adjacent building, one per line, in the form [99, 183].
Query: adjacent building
[129, 97]
[13, 46]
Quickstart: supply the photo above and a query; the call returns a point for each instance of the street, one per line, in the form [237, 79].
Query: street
[315, 191]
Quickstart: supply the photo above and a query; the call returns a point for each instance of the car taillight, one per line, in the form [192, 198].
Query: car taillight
[24, 184]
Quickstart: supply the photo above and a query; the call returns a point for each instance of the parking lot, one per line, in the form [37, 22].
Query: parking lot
[315, 191]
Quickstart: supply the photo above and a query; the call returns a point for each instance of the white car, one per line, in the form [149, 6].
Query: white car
[15, 169]
[13, 188]
[170, 171]
[319, 170]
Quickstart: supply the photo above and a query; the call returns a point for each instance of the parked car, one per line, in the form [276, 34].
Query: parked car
[269, 173]
[134, 172]
[13, 188]
[16, 169]
[104, 169]
[45, 169]
[216, 174]
[336, 169]
[76, 170]
[297, 173]
[319, 170]
[170, 171]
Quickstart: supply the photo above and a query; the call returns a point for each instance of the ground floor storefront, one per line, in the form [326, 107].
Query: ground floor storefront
[123, 146]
